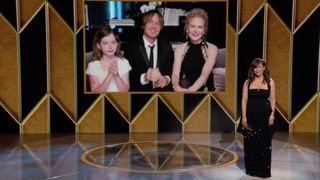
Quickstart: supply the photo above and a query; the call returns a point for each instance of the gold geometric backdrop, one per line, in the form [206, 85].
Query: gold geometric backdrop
[42, 72]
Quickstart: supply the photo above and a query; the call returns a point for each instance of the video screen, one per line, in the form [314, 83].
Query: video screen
[155, 46]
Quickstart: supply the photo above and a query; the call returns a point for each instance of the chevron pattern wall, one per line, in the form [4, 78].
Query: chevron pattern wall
[42, 72]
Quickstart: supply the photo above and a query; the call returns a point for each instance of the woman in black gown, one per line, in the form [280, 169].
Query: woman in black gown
[258, 105]
[194, 60]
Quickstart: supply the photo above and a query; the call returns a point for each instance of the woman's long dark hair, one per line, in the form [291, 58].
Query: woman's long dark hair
[102, 32]
[253, 65]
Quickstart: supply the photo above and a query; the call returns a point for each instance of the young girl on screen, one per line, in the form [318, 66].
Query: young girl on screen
[109, 72]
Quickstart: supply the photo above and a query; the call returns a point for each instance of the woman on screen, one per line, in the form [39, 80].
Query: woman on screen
[194, 59]
[109, 72]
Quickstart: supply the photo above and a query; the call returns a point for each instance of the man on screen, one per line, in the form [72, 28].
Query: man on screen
[151, 59]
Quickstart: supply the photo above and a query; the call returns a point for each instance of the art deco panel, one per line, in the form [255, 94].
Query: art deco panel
[8, 10]
[33, 62]
[284, 10]
[121, 101]
[28, 9]
[306, 120]
[61, 58]
[278, 58]
[305, 62]
[247, 10]
[304, 9]
[60, 122]
[115, 120]
[65, 9]
[168, 121]
[37, 120]
[80, 13]
[174, 101]
[198, 120]
[93, 120]
[145, 120]
[9, 91]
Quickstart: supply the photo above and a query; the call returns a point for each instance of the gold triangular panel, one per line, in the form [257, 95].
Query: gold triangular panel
[304, 9]
[37, 120]
[145, 120]
[93, 120]
[121, 100]
[199, 119]
[247, 10]
[306, 119]
[227, 97]
[174, 100]
[279, 38]
[9, 79]
[28, 10]
[80, 13]
[61, 63]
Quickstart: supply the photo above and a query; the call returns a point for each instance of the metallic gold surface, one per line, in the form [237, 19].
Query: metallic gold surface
[306, 119]
[278, 58]
[174, 102]
[93, 120]
[80, 13]
[61, 61]
[146, 120]
[227, 98]
[248, 9]
[199, 119]
[37, 120]
[121, 101]
[9, 77]
[304, 9]
[28, 10]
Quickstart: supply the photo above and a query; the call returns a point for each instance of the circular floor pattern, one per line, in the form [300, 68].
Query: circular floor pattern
[150, 156]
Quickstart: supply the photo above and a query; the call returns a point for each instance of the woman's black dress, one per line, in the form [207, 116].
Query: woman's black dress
[192, 65]
[258, 148]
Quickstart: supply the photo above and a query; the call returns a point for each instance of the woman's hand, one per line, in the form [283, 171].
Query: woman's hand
[244, 122]
[271, 120]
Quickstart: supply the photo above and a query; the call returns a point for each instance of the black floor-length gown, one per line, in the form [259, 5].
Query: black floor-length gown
[258, 148]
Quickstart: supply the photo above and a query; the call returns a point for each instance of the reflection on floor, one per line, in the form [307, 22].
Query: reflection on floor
[294, 156]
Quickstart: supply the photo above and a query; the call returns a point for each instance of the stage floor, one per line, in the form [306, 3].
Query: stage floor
[151, 156]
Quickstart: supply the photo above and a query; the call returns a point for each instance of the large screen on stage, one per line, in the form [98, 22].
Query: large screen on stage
[154, 46]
